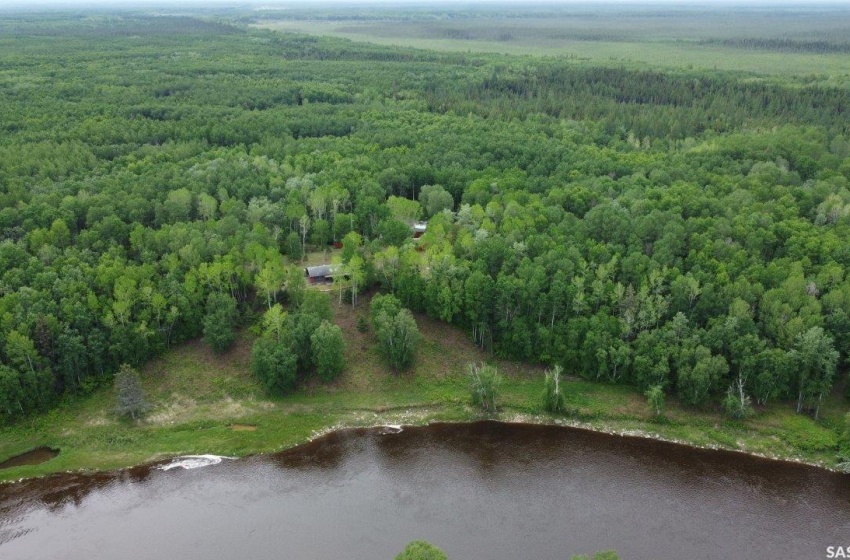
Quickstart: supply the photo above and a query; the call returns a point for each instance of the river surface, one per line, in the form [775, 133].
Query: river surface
[482, 491]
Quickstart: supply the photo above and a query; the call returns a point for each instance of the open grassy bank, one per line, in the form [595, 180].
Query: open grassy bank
[209, 404]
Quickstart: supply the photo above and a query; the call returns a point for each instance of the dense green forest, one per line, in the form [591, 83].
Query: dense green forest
[160, 176]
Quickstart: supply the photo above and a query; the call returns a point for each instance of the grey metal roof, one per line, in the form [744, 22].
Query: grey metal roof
[320, 270]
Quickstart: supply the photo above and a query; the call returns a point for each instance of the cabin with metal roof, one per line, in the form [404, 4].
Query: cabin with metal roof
[321, 274]
[419, 228]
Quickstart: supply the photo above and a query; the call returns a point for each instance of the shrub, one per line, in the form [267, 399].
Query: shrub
[737, 404]
[316, 303]
[553, 396]
[655, 400]
[803, 433]
[129, 393]
[484, 386]
[421, 550]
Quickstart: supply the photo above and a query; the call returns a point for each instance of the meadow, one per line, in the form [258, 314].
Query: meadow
[796, 42]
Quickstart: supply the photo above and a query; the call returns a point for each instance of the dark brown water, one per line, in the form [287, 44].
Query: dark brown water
[484, 491]
[34, 457]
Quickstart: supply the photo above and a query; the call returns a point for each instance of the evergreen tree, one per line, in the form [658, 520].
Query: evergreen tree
[129, 393]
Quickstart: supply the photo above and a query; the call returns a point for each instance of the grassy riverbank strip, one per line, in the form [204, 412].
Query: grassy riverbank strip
[205, 403]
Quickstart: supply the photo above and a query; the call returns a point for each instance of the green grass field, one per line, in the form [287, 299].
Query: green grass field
[204, 403]
[684, 45]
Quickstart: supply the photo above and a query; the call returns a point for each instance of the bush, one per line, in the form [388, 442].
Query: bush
[655, 400]
[316, 303]
[129, 393]
[803, 433]
[737, 404]
[553, 397]
[275, 365]
[484, 386]
[421, 550]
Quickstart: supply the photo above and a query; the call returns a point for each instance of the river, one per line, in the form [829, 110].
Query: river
[480, 491]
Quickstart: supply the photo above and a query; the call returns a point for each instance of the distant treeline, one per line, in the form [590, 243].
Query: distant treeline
[112, 26]
[782, 45]
[650, 103]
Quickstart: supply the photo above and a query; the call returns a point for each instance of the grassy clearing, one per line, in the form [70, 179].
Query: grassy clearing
[198, 398]
[656, 52]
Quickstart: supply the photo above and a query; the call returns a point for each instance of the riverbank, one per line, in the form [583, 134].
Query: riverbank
[205, 403]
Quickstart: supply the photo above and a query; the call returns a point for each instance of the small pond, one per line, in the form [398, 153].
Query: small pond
[34, 457]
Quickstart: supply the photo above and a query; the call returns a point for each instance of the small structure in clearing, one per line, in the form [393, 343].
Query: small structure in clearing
[419, 228]
[321, 274]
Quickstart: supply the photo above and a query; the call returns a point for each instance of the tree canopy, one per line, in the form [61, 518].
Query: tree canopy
[678, 230]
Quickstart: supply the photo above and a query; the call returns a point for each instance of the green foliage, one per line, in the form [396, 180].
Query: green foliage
[435, 199]
[553, 396]
[421, 550]
[655, 400]
[394, 232]
[274, 322]
[847, 426]
[295, 286]
[294, 246]
[815, 359]
[680, 229]
[328, 348]
[220, 322]
[844, 447]
[317, 304]
[396, 331]
[808, 436]
[299, 332]
[129, 395]
[350, 244]
[484, 381]
[11, 393]
[604, 555]
[697, 382]
[275, 365]
[736, 403]
[403, 209]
